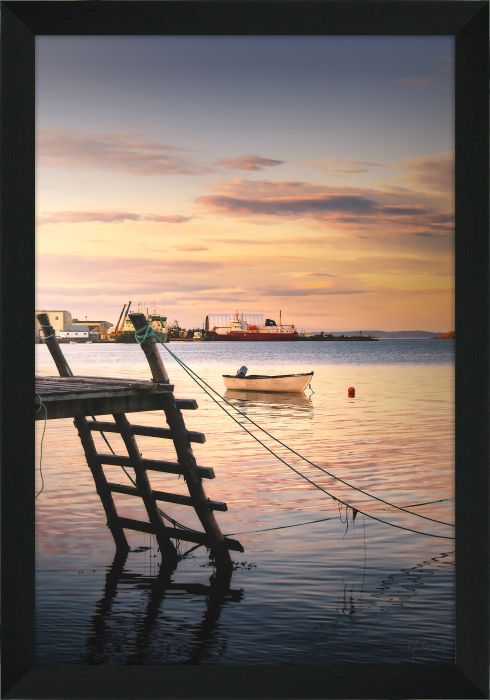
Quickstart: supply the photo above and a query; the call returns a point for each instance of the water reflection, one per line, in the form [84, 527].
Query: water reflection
[261, 397]
[398, 594]
[397, 588]
[110, 642]
[398, 443]
[405, 585]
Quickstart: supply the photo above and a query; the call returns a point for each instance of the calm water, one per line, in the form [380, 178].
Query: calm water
[336, 591]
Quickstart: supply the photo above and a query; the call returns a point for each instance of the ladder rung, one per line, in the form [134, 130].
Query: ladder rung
[149, 431]
[102, 426]
[160, 465]
[165, 496]
[146, 430]
[176, 534]
[186, 404]
[156, 465]
[122, 488]
[187, 500]
[138, 525]
[200, 538]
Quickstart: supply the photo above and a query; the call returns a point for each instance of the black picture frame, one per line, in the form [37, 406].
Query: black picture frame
[21, 22]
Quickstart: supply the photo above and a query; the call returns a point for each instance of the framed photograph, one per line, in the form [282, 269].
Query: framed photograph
[275, 213]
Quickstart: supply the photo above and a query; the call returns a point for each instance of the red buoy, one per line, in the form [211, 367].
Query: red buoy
[351, 392]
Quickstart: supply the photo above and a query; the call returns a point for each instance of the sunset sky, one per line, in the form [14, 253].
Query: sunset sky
[207, 175]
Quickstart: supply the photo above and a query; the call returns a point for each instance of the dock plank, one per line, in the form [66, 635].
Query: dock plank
[70, 397]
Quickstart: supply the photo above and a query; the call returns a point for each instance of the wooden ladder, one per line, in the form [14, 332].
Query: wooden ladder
[185, 465]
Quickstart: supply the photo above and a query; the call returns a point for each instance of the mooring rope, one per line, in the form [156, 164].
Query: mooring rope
[429, 503]
[41, 406]
[149, 332]
[143, 333]
[282, 527]
[197, 379]
[293, 451]
[51, 335]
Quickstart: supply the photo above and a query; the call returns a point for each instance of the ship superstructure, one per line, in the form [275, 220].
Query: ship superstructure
[240, 326]
[125, 331]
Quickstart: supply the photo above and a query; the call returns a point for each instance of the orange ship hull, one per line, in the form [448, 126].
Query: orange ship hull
[250, 335]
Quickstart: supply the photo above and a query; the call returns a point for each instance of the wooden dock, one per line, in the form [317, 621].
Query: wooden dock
[67, 396]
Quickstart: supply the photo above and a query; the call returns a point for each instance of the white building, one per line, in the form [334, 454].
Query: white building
[98, 329]
[60, 320]
[78, 334]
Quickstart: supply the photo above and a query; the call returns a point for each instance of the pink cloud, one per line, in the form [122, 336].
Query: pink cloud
[106, 217]
[434, 173]
[249, 162]
[268, 188]
[290, 206]
[123, 151]
[345, 166]
[390, 211]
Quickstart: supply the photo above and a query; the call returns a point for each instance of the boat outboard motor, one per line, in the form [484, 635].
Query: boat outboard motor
[242, 371]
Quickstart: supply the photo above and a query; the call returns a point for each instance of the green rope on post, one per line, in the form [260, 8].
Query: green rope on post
[39, 404]
[143, 333]
[51, 335]
[39, 407]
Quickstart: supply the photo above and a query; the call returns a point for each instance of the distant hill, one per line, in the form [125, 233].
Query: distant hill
[446, 336]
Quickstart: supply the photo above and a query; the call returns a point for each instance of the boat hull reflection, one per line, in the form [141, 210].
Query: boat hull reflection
[283, 399]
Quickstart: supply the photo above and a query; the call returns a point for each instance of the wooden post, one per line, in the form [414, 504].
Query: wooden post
[183, 448]
[101, 485]
[150, 348]
[88, 444]
[53, 346]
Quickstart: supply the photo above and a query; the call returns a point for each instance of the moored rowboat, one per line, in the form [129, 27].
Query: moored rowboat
[289, 383]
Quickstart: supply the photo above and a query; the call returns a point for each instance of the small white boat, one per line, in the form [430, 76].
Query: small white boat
[288, 383]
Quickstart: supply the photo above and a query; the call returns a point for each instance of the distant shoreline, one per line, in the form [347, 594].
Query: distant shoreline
[312, 339]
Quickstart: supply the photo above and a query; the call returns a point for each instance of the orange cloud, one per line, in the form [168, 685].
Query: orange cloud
[107, 217]
[190, 248]
[89, 280]
[307, 291]
[108, 269]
